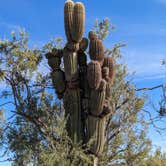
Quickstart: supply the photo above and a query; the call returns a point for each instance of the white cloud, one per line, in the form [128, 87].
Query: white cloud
[146, 65]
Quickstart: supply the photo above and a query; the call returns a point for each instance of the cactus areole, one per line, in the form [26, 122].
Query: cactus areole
[85, 88]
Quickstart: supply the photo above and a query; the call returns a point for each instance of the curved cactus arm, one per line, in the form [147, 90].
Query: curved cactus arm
[83, 44]
[58, 79]
[109, 62]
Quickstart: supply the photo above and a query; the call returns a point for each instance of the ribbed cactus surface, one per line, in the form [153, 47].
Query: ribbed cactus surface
[68, 18]
[78, 22]
[96, 50]
[97, 99]
[96, 134]
[70, 64]
[109, 62]
[72, 105]
[94, 74]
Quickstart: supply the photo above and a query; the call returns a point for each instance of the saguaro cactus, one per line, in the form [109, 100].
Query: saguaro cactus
[85, 88]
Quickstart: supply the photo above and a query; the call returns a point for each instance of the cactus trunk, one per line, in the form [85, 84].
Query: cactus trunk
[96, 134]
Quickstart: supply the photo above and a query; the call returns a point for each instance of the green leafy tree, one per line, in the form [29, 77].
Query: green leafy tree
[36, 131]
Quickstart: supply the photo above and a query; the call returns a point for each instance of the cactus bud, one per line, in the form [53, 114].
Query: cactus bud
[94, 74]
[54, 59]
[78, 22]
[96, 50]
[109, 62]
[92, 35]
[68, 18]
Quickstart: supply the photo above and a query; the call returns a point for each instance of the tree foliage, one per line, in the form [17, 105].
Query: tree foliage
[35, 131]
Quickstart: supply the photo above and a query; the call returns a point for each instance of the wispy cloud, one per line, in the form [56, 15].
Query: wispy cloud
[161, 1]
[146, 65]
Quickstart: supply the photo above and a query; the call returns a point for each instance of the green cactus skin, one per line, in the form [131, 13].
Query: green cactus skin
[92, 35]
[109, 62]
[78, 22]
[70, 64]
[96, 132]
[68, 18]
[72, 105]
[94, 75]
[97, 99]
[83, 44]
[96, 50]
[58, 79]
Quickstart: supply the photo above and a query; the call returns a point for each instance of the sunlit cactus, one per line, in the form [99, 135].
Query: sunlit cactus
[78, 22]
[85, 88]
[70, 64]
[68, 18]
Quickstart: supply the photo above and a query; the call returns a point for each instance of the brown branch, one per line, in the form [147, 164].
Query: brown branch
[152, 88]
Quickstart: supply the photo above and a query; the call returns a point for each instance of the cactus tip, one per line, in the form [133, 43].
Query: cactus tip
[69, 1]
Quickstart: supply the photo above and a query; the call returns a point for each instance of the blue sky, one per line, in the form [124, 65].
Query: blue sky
[141, 24]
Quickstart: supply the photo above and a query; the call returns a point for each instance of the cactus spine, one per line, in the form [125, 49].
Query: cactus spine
[85, 88]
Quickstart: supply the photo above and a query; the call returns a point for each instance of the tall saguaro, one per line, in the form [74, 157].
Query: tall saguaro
[85, 88]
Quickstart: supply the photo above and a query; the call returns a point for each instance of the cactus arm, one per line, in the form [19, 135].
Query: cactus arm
[78, 22]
